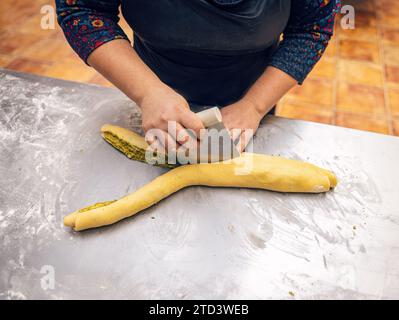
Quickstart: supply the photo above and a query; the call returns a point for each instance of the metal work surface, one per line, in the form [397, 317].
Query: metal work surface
[210, 243]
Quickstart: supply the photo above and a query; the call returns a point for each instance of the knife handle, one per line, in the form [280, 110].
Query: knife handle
[210, 117]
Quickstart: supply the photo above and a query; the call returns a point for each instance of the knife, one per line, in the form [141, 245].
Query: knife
[216, 144]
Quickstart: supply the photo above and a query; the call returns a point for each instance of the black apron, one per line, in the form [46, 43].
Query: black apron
[210, 51]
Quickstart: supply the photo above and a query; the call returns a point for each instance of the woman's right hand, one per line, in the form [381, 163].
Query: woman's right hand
[163, 106]
[121, 65]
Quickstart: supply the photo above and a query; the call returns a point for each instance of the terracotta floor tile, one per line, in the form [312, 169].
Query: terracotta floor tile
[316, 91]
[359, 72]
[70, 69]
[391, 10]
[5, 60]
[325, 68]
[392, 74]
[390, 36]
[18, 11]
[26, 65]
[388, 19]
[359, 50]
[391, 55]
[296, 110]
[393, 86]
[14, 42]
[59, 35]
[359, 33]
[331, 48]
[49, 50]
[364, 5]
[337, 23]
[365, 19]
[360, 98]
[388, 5]
[393, 92]
[33, 25]
[362, 122]
[395, 125]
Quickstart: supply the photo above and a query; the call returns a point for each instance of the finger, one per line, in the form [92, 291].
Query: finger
[157, 147]
[244, 139]
[160, 140]
[190, 120]
[180, 134]
[168, 142]
[186, 137]
[151, 136]
[235, 133]
[241, 144]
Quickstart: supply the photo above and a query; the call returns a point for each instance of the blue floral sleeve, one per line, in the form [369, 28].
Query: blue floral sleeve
[306, 36]
[88, 24]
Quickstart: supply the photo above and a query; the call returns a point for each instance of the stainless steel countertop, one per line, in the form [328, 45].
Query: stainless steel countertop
[201, 242]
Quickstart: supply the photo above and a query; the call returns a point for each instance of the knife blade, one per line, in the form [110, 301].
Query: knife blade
[216, 144]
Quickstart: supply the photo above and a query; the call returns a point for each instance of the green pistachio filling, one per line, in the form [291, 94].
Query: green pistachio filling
[131, 151]
[95, 206]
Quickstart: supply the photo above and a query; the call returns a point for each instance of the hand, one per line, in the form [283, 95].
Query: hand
[161, 105]
[242, 119]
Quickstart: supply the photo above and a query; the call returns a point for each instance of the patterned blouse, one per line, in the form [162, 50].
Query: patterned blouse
[88, 24]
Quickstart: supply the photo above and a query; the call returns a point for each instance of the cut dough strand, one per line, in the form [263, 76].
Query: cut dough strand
[247, 171]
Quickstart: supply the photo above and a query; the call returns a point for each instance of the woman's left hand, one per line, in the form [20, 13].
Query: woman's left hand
[242, 120]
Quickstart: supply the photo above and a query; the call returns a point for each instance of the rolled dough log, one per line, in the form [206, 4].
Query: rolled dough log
[247, 171]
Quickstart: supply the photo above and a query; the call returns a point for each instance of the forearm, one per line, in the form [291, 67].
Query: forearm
[118, 62]
[269, 89]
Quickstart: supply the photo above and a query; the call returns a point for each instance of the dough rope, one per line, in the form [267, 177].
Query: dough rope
[247, 171]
